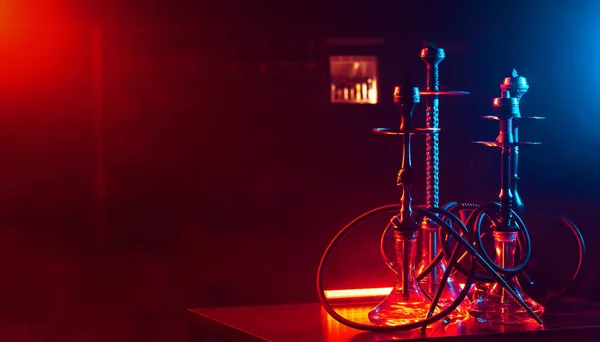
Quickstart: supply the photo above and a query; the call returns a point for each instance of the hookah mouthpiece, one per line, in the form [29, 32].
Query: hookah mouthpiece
[515, 86]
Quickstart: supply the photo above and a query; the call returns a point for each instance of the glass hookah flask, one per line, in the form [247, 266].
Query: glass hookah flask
[431, 282]
[496, 305]
[405, 304]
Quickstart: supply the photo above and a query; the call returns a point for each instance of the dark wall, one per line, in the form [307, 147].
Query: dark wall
[269, 164]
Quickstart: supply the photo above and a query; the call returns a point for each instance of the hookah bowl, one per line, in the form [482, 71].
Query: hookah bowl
[516, 85]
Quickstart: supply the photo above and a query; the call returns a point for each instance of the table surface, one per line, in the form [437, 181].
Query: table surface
[309, 322]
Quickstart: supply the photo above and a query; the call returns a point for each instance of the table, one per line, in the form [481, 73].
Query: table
[569, 320]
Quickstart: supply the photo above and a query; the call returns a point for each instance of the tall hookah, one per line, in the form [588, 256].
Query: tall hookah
[431, 266]
[432, 57]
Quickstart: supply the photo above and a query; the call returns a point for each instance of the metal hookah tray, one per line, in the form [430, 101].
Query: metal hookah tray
[497, 144]
[395, 131]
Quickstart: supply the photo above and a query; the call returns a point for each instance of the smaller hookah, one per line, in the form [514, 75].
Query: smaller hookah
[429, 269]
[494, 305]
[517, 86]
[509, 116]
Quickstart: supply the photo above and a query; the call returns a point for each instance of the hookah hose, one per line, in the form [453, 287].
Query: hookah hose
[475, 219]
[455, 208]
[580, 243]
[475, 216]
[429, 267]
[475, 257]
[420, 324]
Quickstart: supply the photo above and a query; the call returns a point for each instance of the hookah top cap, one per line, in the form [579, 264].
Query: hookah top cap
[431, 54]
[516, 84]
[408, 97]
[408, 93]
[506, 107]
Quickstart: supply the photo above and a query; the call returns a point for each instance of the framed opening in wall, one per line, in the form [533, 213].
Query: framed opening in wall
[353, 79]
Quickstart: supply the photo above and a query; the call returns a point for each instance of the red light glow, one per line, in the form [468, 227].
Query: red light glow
[37, 44]
[362, 293]
[358, 293]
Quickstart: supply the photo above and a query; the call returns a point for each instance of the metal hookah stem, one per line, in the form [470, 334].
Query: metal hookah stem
[431, 241]
[507, 139]
[405, 179]
[404, 223]
[406, 272]
[506, 199]
[515, 86]
[432, 143]
[432, 172]
[406, 211]
[517, 201]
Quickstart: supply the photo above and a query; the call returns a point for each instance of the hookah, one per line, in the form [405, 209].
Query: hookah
[431, 265]
[406, 307]
[494, 306]
[517, 86]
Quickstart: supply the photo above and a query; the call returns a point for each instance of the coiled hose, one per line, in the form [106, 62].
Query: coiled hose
[476, 216]
[432, 214]
[459, 209]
